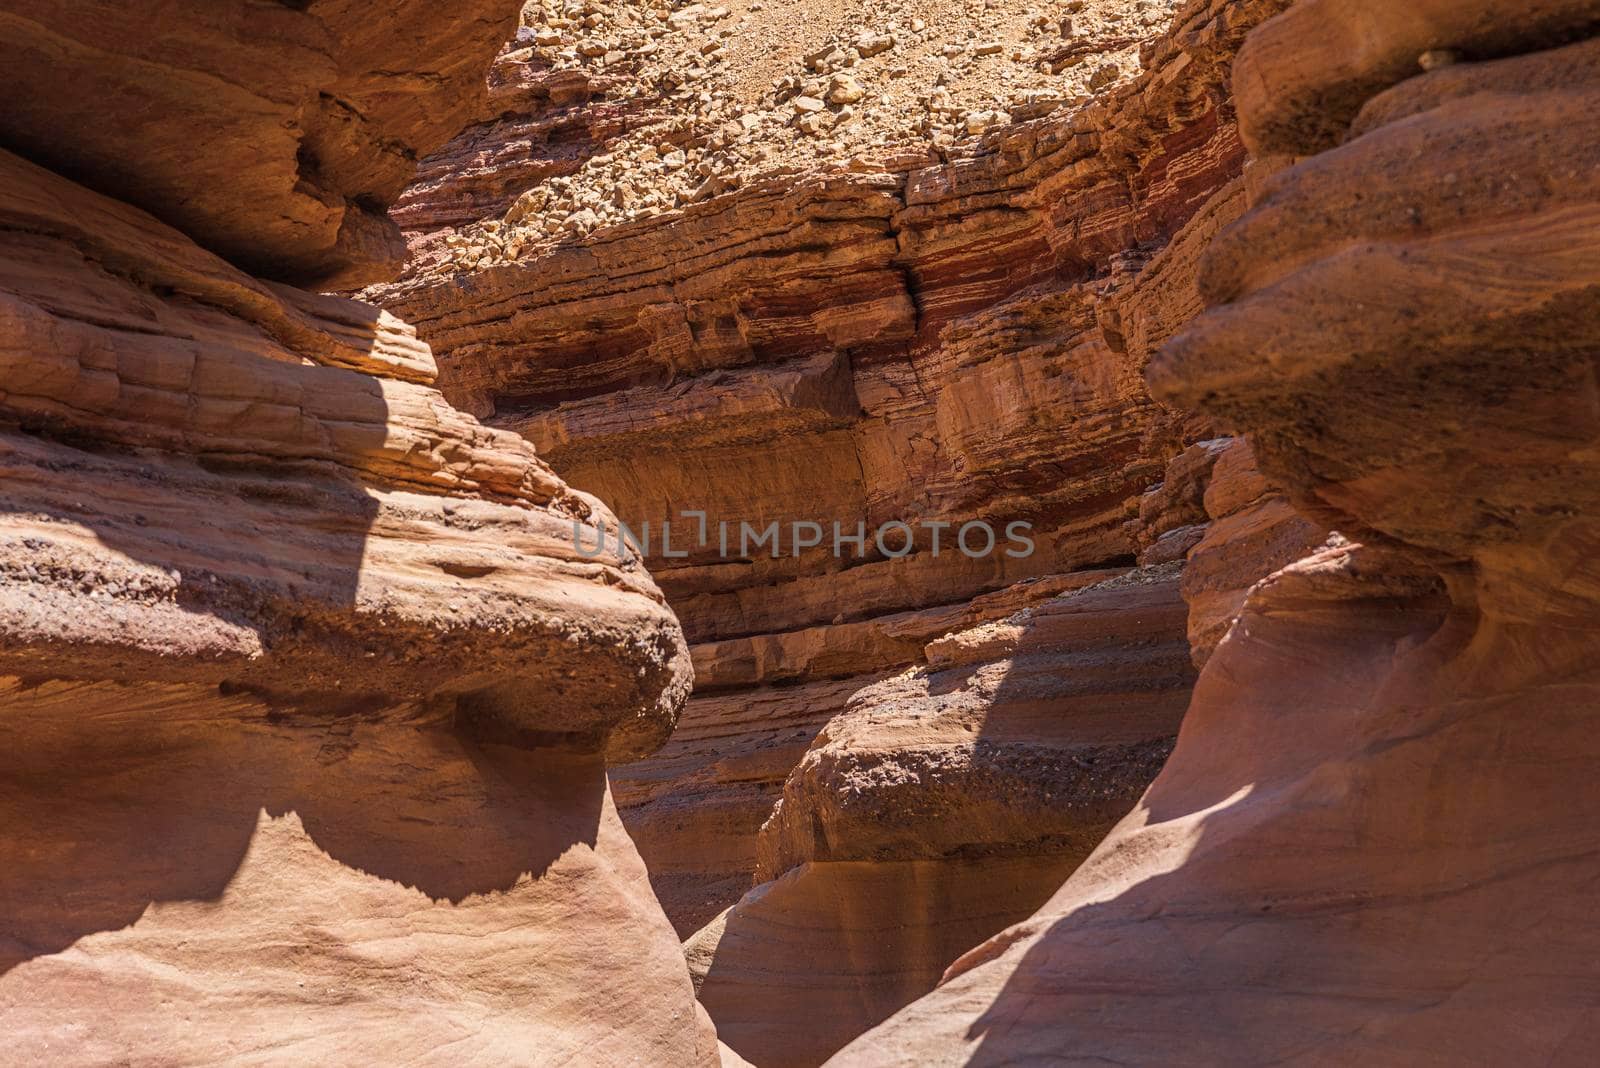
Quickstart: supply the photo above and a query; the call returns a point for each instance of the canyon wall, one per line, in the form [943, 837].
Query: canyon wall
[307, 698]
[912, 341]
[335, 703]
[1376, 839]
[940, 806]
[902, 753]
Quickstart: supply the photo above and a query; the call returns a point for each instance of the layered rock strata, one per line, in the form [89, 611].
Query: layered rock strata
[630, 110]
[697, 806]
[307, 697]
[941, 805]
[1375, 839]
[944, 344]
[545, 123]
[1251, 532]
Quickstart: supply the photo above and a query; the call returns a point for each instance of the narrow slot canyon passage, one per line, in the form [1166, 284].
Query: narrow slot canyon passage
[933, 532]
[905, 735]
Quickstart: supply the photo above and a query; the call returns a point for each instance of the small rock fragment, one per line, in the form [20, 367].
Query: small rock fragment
[844, 89]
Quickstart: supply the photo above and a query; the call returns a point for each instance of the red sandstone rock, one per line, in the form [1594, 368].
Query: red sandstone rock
[902, 341]
[275, 134]
[1172, 513]
[941, 805]
[1376, 839]
[191, 878]
[1253, 532]
[306, 415]
[307, 695]
[804, 963]
[696, 806]
[1301, 99]
[546, 123]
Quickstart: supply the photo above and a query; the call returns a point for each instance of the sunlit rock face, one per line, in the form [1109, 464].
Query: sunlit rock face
[886, 760]
[198, 880]
[1252, 531]
[306, 695]
[906, 339]
[1376, 839]
[942, 805]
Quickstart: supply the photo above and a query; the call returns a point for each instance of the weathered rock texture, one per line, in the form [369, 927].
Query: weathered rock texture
[275, 134]
[306, 695]
[1376, 841]
[899, 341]
[166, 411]
[1252, 532]
[546, 123]
[628, 110]
[941, 805]
[195, 879]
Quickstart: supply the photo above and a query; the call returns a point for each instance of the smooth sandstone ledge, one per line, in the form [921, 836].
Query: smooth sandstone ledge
[192, 879]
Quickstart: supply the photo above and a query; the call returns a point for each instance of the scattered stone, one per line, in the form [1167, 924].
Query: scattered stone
[871, 44]
[845, 90]
[815, 123]
[684, 123]
[980, 121]
[1104, 75]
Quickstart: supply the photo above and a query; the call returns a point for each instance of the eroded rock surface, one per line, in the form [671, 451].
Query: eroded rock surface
[275, 134]
[608, 111]
[891, 340]
[1376, 839]
[263, 492]
[306, 695]
[195, 879]
[1252, 532]
[941, 805]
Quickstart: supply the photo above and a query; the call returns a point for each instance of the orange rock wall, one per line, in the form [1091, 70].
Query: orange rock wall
[947, 342]
[306, 697]
[1375, 840]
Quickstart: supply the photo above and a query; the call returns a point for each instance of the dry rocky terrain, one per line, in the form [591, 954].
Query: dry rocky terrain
[709, 98]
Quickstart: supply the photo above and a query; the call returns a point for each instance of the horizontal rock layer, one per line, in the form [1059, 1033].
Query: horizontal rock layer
[1253, 532]
[307, 695]
[543, 123]
[1020, 732]
[164, 410]
[1375, 839]
[946, 343]
[697, 805]
[939, 806]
